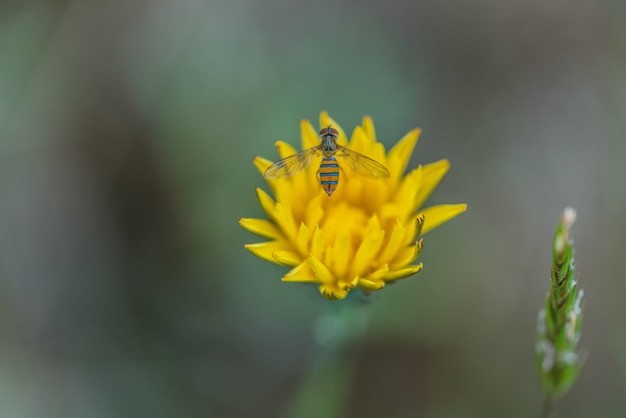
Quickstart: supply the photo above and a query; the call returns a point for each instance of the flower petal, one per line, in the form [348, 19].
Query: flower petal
[377, 152]
[404, 272]
[287, 258]
[368, 127]
[332, 292]
[418, 225]
[400, 154]
[407, 193]
[285, 220]
[314, 211]
[317, 243]
[267, 203]
[367, 251]
[266, 250]
[394, 243]
[309, 136]
[436, 215]
[262, 164]
[375, 280]
[360, 141]
[301, 273]
[304, 236]
[346, 284]
[339, 255]
[407, 255]
[391, 211]
[261, 227]
[320, 270]
[431, 176]
[414, 229]
[284, 149]
[378, 274]
[371, 285]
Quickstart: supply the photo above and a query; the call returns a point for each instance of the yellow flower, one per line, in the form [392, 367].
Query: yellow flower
[363, 236]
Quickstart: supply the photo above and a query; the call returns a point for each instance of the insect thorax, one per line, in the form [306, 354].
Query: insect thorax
[329, 145]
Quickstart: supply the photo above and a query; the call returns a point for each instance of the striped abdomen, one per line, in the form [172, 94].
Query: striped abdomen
[329, 174]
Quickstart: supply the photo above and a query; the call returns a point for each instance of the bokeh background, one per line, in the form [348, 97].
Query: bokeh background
[127, 133]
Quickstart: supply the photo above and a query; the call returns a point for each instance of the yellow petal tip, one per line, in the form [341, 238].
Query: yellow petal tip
[371, 285]
[332, 293]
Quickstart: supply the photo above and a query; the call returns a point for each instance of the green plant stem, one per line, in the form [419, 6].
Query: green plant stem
[548, 408]
[325, 389]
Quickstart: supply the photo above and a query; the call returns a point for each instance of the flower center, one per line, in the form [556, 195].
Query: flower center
[346, 220]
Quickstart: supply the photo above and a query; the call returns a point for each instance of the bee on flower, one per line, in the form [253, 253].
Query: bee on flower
[369, 233]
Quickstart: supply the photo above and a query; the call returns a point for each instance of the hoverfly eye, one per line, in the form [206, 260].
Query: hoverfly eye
[326, 132]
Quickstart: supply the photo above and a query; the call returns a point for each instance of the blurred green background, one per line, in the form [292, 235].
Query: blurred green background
[127, 133]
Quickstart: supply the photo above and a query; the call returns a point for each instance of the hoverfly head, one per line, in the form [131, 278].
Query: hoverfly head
[329, 131]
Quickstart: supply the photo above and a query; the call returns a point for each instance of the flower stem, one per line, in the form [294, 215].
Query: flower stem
[324, 391]
[548, 407]
[325, 388]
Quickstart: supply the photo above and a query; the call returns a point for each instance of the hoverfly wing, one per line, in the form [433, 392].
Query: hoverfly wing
[363, 165]
[291, 165]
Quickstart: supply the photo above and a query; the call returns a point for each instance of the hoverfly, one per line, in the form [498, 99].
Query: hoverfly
[329, 168]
